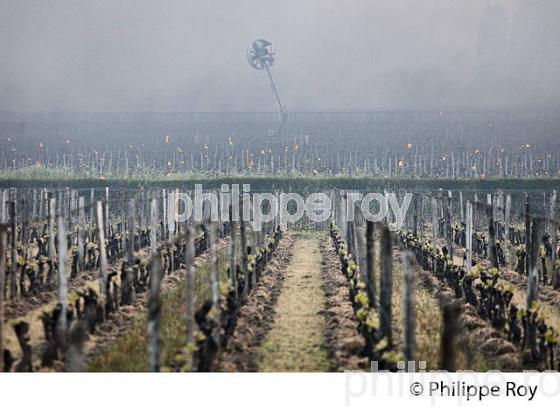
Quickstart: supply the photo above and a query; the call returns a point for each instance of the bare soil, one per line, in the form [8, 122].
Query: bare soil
[295, 341]
[256, 316]
[345, 344]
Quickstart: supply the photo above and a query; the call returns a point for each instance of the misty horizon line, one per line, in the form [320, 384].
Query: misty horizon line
[435, 109]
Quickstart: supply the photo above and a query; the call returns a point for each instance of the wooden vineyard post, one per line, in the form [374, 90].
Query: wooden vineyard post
[474, 212]
[107, 225]
[171, 221]
[233, 250]
[164, 215]
[51, 246]
[500, 212]
[351, 240]
[81, 233]
[388, 216]
[527, 234]
[154, 312]
[337, 202]
[361, 246]
[342, 215]
[42, 197]
[259, 238]
[468, 235]
[91, 205]
[127, 250]
[347, 228]
[409, 319]
[450, 330]
[461, 207]
[554, 258]
[277, 214]
[223, 210]
[533, 279]
[73, 207]
[492, 252]
[13, 267]
[66, 208]
[189, 279]
[545, 210]
[415, 216]
[2, 206]
[102, 255]
[123, 210]
[177, 229]
[448, 222]
[422, 219]
[552, 206]
[554, 239]
[32, 212]
[370, 262]
[386, 285]
[51, 211]
[140, 208]
[434, 220]
[214, 266]
[62, 279]
[131, 228]
[244, 255]
[24, 222]
[507, 221]
[153, 226]
[334, 213]
[3, 252]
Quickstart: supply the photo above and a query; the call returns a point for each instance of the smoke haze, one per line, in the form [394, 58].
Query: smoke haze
[138, 55]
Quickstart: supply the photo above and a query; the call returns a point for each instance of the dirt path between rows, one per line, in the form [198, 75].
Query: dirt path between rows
[295, 341]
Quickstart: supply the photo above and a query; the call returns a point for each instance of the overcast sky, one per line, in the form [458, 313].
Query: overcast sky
[185, 55]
